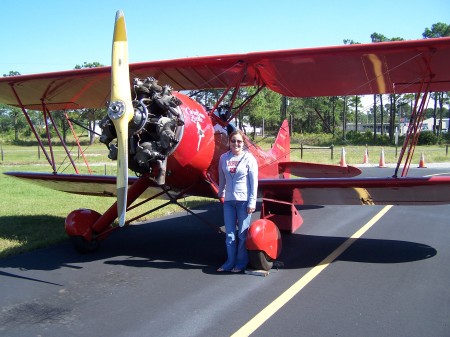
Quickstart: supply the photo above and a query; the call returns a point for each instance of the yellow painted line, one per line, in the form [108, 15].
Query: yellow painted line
[278, 303]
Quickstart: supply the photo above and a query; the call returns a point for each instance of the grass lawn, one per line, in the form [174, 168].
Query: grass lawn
[33, 217]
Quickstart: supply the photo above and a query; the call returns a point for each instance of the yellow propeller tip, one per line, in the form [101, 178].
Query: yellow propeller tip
[120, 31]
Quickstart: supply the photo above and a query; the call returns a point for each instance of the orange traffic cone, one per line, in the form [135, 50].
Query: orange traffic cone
[382, 162]
[366, 157]
[422, 161]
[343, 163]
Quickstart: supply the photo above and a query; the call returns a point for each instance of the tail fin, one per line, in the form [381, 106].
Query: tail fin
[281, 149]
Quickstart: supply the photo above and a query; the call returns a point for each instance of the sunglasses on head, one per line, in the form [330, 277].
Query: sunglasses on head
[236, 141]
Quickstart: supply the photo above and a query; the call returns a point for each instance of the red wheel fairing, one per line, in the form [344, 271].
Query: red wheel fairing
[80, 221]
[263, 235]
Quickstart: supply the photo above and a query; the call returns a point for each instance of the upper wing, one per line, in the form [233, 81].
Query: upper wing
[389, 67]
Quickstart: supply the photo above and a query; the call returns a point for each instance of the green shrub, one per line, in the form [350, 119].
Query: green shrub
[427, 138]
[382, 140]
[445, 137]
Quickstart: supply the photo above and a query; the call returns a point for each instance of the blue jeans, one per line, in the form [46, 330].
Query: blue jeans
[235, 213]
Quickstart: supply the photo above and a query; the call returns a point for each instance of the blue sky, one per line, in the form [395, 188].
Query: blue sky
[51, 35]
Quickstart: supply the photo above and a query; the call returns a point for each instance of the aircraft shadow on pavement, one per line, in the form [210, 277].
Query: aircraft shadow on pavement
[304, 251]
[181, 241]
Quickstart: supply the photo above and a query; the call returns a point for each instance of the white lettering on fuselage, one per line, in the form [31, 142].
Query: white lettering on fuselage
[197, 117]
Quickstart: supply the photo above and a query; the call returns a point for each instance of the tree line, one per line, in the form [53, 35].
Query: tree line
[267, 109]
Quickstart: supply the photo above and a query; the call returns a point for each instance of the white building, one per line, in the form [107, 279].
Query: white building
[427, 124]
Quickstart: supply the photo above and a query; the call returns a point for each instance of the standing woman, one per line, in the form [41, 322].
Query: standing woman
[238, 184]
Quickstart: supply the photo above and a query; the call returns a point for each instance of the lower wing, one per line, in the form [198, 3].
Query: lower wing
[311, 191]
[359, 191]
[97, 185]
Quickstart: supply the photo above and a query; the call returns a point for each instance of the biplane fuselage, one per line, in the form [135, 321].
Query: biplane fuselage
[203, 141]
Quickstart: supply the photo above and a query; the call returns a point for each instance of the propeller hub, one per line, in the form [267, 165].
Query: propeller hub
[116, 110]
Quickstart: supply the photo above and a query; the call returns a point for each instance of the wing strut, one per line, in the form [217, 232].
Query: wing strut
[236, 84]
[30, 123]
[50, 157]
[414, 128]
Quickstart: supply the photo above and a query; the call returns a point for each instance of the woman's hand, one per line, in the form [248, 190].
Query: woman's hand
[250, 210]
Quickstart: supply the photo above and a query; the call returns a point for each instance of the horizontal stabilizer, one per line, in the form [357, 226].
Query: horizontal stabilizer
[313, 170]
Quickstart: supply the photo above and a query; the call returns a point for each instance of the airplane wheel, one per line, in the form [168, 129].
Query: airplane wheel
[84, 246]
[259, 260]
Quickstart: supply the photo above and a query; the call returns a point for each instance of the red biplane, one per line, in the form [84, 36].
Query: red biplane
[171, 142]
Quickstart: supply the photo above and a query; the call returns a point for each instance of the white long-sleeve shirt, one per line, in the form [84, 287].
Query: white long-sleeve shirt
[238, 178]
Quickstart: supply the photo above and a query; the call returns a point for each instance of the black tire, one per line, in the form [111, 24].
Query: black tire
[84, 246]
[259, 260]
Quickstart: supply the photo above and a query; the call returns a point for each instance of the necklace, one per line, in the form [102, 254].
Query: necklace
[233, 162]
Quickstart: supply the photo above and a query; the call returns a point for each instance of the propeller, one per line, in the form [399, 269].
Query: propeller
[120, 109]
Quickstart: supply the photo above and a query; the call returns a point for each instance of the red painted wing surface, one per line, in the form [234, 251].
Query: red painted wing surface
[390, 67]
[316, 191]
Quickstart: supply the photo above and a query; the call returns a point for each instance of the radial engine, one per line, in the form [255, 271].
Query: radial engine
[154, 131]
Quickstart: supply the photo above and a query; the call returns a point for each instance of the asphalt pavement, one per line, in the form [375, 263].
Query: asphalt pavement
[348, 271]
